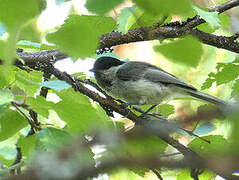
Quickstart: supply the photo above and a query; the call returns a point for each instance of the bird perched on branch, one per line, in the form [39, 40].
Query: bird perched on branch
[140, 83]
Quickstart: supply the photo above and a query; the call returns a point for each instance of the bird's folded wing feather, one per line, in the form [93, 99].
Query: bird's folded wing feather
[166, 78]
[133, 71]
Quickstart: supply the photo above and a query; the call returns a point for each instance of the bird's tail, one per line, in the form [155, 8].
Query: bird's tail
[206, 97]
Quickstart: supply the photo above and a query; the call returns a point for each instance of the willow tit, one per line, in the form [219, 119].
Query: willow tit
[140, 83]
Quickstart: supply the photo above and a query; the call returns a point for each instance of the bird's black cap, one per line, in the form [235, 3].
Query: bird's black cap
[105, 62]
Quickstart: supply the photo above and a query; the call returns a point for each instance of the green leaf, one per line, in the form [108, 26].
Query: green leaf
[126, 174]
[40, 105]
[57, 85]
[225, 20]
[140, 18]
[30, 32]
[27, 145]
[28, 44]
[165, 6]
[77, 111]
[15, 12]
[218, 2]
[11, 122]
[51, 138]
[226, 73]
[5, 96]
[101, 6]
[29, 82]
[235, 89]
[34, 46]
[8, 49]
[205, 27]
[211, 17]
[3, 108]
[185, 51]
[41, 4]
[8, 151]
[143, 146]
[166, 109]
[140, 171]
[79, 35]
[209, 81]
[218, 145]
[184, 174]
[47, 47]
[7, 76]
[122, 19]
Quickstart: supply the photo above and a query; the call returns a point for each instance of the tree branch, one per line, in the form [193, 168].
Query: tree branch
[171, 30]
[226, 6]
[174, 30]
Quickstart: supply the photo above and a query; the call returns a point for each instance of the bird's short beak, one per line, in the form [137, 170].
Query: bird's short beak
[92, 70]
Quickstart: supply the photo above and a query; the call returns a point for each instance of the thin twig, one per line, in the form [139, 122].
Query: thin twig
[17, 160]
[28, 119]
[155, 171]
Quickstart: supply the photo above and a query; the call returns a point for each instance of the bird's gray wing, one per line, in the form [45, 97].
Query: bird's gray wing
[166, 78]
[132, 71]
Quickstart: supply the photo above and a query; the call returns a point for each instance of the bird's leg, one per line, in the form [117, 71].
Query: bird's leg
[148, 110]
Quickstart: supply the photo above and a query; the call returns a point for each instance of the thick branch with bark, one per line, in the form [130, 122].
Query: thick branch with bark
[171, 30]
[174, 30]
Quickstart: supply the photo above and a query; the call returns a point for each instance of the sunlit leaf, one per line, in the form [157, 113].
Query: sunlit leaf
[29, 82]
[166, 109]
[141, 18]
[27, 144]
[15, 13]
[209, 81]
[40, 105]
[77, 111]
[8, 151]
[79, 35]
[28, 44]
[184, 174]
[185, 51]
[5, 96]
[226, 73]
[165, 6]
[144, 146]
[101, 6]
[122, 19]
[235, 89]
[211, 17]
[11, 122]
[218, 145]
[225, 20]
[119, 174]
[50, 138]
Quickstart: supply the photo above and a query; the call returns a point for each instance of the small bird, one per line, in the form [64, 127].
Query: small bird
[140, 83]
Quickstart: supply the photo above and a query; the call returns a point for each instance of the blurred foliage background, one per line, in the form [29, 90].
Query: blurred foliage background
[70, 133]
